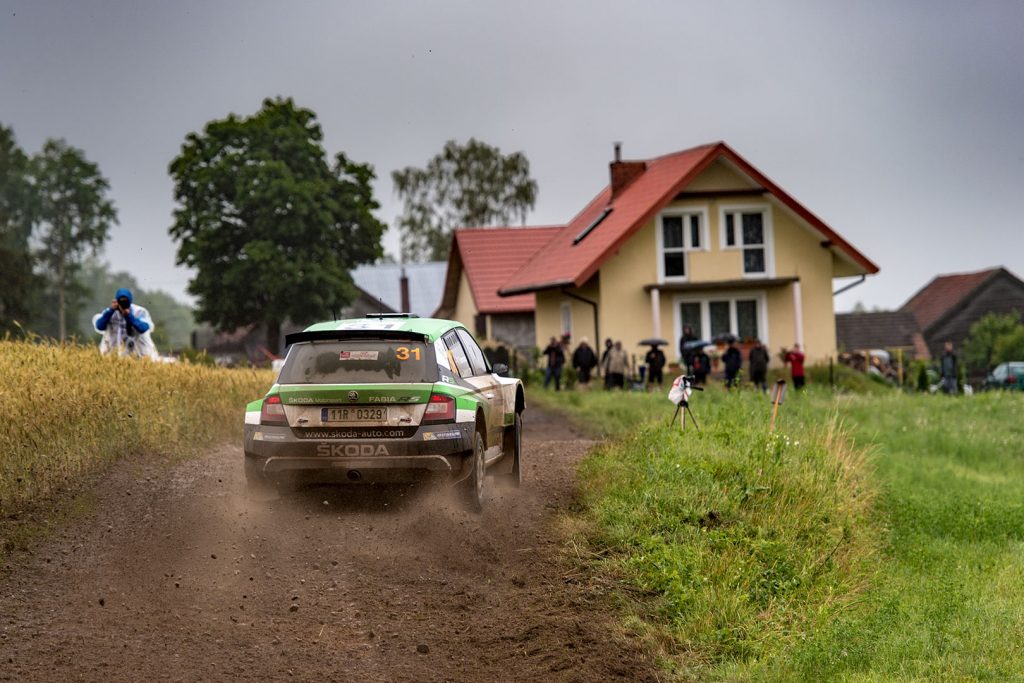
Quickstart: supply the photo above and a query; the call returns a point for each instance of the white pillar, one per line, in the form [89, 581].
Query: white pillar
[655, 313]
[798, 316]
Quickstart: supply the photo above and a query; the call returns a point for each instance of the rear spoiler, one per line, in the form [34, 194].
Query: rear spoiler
[339, 335]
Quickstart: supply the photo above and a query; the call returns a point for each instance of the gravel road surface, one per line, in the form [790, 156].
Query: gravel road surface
[178, 576]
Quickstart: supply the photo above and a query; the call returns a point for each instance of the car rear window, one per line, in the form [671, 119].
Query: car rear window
[359, 362]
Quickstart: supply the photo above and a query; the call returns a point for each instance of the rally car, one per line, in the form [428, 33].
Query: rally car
[386, 398]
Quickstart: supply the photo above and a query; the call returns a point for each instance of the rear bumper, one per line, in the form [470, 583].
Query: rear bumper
[436, 451]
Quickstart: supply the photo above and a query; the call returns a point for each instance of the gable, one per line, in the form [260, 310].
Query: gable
[607, 222]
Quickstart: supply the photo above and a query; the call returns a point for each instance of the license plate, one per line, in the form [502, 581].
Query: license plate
[353, 414]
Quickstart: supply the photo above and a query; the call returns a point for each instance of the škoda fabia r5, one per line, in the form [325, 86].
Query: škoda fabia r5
[388, 398]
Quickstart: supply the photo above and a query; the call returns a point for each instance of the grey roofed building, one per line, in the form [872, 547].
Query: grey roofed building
[426, 284]
[880, 330]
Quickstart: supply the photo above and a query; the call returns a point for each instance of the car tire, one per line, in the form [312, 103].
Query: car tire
[471, 488]
[512, 472]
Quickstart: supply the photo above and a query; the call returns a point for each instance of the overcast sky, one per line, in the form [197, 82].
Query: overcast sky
[899, 124]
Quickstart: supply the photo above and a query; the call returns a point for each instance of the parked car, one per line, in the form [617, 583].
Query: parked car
[386, 398]
[1007, 376]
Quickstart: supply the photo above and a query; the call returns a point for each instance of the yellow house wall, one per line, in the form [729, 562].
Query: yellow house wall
[625, 307]
[798, 253]
[465, 306]
[548, 314]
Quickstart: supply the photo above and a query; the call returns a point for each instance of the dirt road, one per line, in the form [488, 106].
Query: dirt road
[179, 577]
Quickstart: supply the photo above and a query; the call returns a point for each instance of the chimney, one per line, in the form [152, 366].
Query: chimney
[624, 172]
[403, 284]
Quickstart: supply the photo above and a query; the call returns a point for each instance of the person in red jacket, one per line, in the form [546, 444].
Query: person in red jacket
[795, 358]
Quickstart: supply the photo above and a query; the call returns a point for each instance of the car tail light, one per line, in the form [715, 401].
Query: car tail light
[273, 412]
[440, 408]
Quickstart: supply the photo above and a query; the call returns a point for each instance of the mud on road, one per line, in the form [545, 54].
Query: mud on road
[178, 576]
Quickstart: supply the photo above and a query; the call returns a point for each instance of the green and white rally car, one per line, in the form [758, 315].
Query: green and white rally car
[386, 398]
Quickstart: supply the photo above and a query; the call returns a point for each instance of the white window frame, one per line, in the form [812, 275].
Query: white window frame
[566, 319]
[704, 299]
[769, 241]
[702, 213]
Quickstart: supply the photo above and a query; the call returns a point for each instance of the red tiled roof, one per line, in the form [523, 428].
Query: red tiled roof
[490, 256]
[564, 264]
[942, 294]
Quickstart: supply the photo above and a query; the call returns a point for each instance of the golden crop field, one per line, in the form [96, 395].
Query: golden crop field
[67, 411]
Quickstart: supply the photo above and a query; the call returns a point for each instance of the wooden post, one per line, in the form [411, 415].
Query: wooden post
[778, 393]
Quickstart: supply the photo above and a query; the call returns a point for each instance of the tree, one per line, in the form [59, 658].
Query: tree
[18, 281]
[1009, 346]
[465, 185]
[270, 226]
[980, 349]
[72, 216]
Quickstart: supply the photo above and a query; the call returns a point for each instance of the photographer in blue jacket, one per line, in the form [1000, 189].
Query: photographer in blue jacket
[126, 328]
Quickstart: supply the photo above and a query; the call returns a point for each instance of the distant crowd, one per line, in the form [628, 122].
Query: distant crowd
[614, 364]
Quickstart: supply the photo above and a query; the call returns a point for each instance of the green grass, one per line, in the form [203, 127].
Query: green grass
[926, 582]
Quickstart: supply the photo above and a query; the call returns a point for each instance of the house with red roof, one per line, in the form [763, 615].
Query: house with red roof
[479, 263]
[947, 306]
[700, 238]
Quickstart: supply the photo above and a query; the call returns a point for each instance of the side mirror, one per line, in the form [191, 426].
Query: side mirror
[500, 369]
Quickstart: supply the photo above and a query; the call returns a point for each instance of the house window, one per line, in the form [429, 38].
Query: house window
[679, 233]
[689, 313]
[741, 316]
[747, 230]
[567, 318]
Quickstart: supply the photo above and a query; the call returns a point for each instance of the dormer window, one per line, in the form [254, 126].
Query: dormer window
[748, 229]
[679, 232]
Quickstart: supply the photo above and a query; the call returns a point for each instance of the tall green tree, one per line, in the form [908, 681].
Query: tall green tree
[270, 225]
[73, 216]
[18, 281]
[980, 349]
[464, 185]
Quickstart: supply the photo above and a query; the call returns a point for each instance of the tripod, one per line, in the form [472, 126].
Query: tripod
[683, 388]
[682, 410]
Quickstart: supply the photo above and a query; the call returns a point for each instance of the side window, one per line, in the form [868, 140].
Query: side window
[458, 355]
[476, 356]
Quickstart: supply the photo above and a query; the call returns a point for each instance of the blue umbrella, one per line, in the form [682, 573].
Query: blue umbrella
[695, 344]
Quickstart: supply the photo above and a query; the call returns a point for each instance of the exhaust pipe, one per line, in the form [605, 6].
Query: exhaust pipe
[354, 475]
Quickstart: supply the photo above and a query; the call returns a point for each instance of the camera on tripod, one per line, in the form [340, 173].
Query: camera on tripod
[682, 388]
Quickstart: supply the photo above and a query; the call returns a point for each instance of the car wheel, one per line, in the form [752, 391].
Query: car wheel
[512, 473]
[471, 488]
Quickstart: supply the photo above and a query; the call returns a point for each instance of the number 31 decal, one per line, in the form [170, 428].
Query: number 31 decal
[403, 353]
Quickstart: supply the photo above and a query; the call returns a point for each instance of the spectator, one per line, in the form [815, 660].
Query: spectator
[604, 361]
[616, 364]
[759, 365]
[556, 360]
[795, 359]
[686, 354]
[701, 366]
[949, 369]
[655, 360]
[584, 360]
[125, 327]
[733, 361]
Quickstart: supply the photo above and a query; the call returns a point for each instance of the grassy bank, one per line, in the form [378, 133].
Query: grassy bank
[927, 586]
[948, 603]
[69, 411]
[733, 543]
